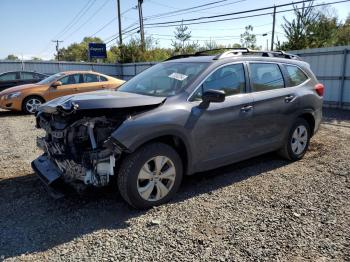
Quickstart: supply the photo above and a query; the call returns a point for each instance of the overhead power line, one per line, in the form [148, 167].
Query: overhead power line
[88, 20]
[92, 2]
[171, 23]
[77, 16]
[111, 21]
[186, 9]
[228, 14]
[183, 12]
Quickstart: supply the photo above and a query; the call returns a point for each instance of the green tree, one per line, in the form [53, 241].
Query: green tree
[34, 58]
[12, 57]
[78, 51]
[313, 28]
[181, 44]
[343, 33]
[248, 39]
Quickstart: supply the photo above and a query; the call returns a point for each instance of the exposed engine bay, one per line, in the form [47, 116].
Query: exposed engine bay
[80, 148]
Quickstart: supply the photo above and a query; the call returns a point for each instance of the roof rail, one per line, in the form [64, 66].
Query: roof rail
[246, 51]
[238, 52]
[204, 52]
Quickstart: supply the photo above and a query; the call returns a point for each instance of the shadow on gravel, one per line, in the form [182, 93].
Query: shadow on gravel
[331, 115]
[31, 221]
[6, 113]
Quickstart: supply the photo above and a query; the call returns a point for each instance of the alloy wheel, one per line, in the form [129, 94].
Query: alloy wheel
[32, 105]
[156, 178]
[299, 140]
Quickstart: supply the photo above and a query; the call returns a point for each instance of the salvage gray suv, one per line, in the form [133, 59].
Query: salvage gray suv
[188, 114]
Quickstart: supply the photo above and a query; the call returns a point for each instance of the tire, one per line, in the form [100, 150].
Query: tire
[139, 181]
[31, 103]
[296, 143]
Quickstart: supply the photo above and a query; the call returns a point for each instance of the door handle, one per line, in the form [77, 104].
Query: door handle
[246, 108]
[289, 98]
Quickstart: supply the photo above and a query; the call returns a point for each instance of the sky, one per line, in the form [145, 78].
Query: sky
[29, 26]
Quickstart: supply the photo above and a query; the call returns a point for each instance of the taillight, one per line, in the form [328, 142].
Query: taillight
[319, 88]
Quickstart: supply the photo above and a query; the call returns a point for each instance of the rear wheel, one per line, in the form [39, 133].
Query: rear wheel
[31, 104]
[150, 176]
[298, 140]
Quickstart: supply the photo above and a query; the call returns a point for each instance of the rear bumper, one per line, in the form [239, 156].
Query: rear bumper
[50, 175]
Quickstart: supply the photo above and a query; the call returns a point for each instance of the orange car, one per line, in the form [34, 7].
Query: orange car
[28, 98]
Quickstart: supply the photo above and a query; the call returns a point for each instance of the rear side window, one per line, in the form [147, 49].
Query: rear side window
[296, 76]
[265, 76]
[90, 78]
[72, 79]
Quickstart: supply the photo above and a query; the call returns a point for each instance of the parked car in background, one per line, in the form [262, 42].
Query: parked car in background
[28, 98]
[15, 78]
[189, 114]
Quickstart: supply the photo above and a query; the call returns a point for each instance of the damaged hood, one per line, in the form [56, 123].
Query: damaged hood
[99, 100]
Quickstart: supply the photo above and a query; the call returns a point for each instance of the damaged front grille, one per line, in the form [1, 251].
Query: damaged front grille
[79, 148]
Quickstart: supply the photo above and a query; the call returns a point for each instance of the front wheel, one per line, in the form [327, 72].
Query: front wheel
[297, 141]
[31, 104]
[150, 176]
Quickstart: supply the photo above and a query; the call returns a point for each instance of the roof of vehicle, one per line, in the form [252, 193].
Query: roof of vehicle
[80, 72]
[210, 59]
[238, 54]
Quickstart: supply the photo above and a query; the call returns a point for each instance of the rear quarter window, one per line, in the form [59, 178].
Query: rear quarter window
[296, 75]
[103, 79]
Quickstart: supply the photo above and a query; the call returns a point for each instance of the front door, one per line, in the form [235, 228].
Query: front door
[221, 132]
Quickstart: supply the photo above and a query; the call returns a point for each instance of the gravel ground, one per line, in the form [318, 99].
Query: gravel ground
[263, 209]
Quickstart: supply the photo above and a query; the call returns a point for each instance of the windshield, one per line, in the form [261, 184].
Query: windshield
[50, 79]
[164, 79]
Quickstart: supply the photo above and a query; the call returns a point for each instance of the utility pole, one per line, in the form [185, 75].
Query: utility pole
[273, 27]
[119, 24]
[57, 48]
[142, 33]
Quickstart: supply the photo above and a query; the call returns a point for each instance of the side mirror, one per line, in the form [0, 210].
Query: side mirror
[213, 96]
[56, 84]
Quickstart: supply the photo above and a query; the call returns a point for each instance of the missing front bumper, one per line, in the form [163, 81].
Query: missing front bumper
[49, 175]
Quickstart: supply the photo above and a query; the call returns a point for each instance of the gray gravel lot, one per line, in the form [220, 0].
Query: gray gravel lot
[263, 209]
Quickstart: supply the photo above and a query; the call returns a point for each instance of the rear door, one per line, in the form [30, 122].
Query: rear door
[91, 83]
[274, 105]
[221, 132]
[70, 85]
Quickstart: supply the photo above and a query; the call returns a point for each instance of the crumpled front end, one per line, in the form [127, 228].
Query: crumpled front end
[78, 147]
[76, 152]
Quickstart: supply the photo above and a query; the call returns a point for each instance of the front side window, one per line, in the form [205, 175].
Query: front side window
[296, 76]
[230, 79]
[90, 78]
[8, 77]
[265, 76]
[72, 79]
[164, 79]
[51, 79]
